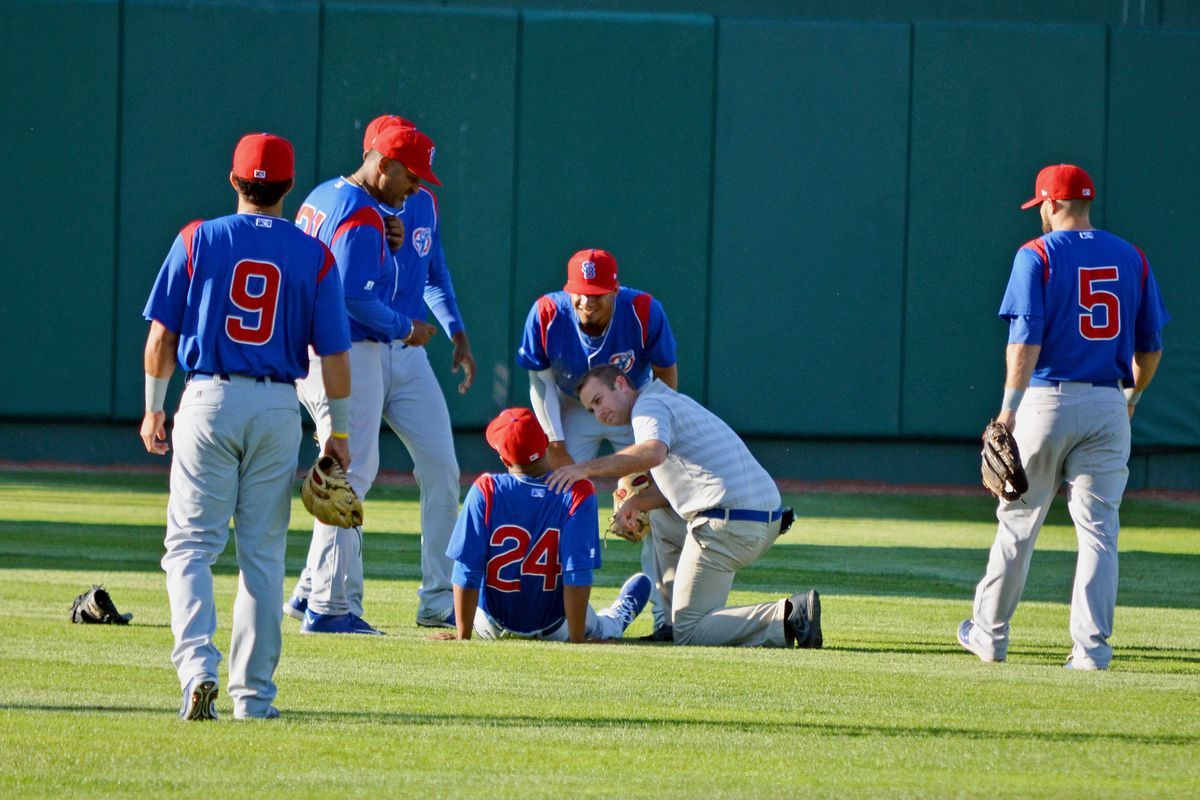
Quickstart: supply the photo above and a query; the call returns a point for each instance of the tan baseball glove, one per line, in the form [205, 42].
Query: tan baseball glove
[1001, 468]
[329, 497]
[627, 487]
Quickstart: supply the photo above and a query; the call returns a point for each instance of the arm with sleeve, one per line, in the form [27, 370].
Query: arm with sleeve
[168, 299]
[439, 290]
[360, 252]
[469, 542]
[581, 537]
[330, 325]
[660, 343]
[1024, 299]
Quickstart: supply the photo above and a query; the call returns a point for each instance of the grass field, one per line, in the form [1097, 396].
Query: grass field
[890, 708]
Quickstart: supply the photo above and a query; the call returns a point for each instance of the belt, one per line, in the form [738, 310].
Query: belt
[1042, 382]
[208, 376]
[741, 514]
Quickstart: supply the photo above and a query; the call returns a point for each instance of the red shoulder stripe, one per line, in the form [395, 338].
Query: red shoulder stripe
[547, 311]
[1039, 247]
[580, 492]
[1145, 266]
[641, 310]
[368, 216]
[487, 487]
[328, 260]
[189, 234]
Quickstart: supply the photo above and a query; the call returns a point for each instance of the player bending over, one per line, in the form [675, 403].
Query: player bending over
[524, 555]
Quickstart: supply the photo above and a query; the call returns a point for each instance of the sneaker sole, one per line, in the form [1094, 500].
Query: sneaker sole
[293, 612]
[435, 623]
[200, 705]
[816, 641]
[967, 646]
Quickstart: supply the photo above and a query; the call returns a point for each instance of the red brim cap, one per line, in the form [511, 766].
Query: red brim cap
[591, 271]
[517, 436]
[1061, 182]
[264, 157]
[406, 144]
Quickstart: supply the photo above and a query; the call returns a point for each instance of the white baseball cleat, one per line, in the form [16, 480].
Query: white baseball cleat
[964, 639]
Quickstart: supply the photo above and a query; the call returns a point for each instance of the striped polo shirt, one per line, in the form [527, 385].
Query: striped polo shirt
[708, 465]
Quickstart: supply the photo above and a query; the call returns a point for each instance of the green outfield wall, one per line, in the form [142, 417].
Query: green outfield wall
[823, 195]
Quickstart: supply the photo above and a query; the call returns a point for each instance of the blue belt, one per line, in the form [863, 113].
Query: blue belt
[208, 376]
[1055, 384]
[741, 514]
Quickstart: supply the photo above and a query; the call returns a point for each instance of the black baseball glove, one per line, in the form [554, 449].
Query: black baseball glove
[95, 607]
[1001, 468]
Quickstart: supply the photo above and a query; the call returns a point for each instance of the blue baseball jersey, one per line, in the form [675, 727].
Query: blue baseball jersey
[350, 223]
[247, 295]
[519, 542]
[637, 337]
[1090, 299]
[421, 275]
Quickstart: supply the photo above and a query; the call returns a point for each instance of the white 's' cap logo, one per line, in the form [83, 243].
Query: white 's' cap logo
[589, 270]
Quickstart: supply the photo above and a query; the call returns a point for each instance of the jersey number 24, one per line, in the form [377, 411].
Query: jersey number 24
[536, 558]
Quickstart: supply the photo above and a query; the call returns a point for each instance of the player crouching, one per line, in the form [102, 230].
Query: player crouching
[524, 555]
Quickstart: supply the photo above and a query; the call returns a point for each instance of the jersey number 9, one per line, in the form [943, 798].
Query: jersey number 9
[255, 290]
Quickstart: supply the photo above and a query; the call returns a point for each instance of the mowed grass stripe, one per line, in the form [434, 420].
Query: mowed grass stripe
[891, 708]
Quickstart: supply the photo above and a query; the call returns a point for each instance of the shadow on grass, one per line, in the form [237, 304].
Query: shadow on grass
[657, 724]
[1147, 579]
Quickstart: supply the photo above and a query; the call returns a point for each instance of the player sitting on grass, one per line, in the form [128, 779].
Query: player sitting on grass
[524, 555]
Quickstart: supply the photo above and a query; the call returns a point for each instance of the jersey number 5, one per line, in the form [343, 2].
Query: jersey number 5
[255, 290]
[1107, 324]
[540, 559]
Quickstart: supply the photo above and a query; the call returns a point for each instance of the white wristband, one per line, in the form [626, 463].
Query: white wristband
[156, 393]
[339, 416]
[1012, 398]
[1132, 396]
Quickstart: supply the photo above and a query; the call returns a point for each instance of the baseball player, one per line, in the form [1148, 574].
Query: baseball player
[348, 214]
[732, 507]
[594, 320]
[238, 302]
[524, 556]
[1085, 316]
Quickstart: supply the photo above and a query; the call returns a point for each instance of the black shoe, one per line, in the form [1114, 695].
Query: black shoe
[802, 628]
[663, 633]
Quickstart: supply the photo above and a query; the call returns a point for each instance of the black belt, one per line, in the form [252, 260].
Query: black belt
[1042, 382]
[208, 376]
[741, 514]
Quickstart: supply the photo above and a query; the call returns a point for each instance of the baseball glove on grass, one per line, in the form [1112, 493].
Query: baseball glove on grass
[627, 487]
[329, 497]
[95, 607]
[1001, 467]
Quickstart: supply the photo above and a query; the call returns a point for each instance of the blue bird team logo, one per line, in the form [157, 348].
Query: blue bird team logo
[589, 270]
[622, 361]
[422, 240]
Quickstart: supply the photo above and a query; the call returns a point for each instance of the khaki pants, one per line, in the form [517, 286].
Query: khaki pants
[712, 554]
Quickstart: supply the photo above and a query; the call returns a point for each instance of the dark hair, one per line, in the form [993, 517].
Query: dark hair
[262, 193]
[605, 373]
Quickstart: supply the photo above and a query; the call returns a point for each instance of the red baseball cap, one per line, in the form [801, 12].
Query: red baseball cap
[397, 139]
[1061, 182]
[264, 157]
[373, 128]
[517, 436]
[591, 272]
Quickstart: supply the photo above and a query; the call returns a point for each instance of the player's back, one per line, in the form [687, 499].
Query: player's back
[334, 206]
[1094, 282]
[253, 287]
[534, 535]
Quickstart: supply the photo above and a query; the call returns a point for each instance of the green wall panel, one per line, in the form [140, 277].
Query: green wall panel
[195, 79]
[454, 74]
[614, 151]
[59, 129]
[808, 240]
[988, 113]
[1153, 171]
